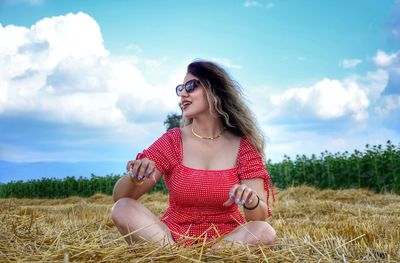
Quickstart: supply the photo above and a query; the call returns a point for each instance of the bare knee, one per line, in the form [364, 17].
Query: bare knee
[121, 209]
[263, 231]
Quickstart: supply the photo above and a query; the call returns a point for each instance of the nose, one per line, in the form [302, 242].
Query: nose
[184, 93]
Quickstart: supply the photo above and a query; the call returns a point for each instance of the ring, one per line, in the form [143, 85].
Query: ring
[135, 180]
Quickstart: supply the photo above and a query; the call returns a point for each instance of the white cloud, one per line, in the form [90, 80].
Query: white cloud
[373, 83]
[337, 114]
[325, 100]
[48, 42]
[29, 2]
[226, 63]
[155, 64]
[59, 70]
[3, 94]
[389, 104]
[350, 63]
[390, 100]
[253, 3]
[384, 60]
[269, 5]
[133, 48]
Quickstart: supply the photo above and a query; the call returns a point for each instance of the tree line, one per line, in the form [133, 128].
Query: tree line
[377, 168]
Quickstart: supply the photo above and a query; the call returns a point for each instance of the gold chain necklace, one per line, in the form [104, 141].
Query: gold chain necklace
[208, 138]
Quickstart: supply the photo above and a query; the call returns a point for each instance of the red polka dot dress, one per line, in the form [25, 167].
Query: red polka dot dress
[196, 196]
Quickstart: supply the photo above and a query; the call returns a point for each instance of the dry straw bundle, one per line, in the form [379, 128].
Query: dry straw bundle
[312, 226]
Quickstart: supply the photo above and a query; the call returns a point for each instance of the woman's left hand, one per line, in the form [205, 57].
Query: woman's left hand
[241, 194]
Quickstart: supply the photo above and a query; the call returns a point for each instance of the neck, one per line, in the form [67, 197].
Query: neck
[207, 128]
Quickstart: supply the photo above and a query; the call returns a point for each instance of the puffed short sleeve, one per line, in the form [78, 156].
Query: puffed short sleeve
[162, 152]
[251, 165]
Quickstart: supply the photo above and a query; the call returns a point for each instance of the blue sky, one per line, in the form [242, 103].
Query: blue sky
[93, 81]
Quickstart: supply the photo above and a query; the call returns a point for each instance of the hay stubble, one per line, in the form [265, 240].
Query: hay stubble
[312, 226]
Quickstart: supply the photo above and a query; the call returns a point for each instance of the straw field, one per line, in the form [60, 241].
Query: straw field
[312, 226]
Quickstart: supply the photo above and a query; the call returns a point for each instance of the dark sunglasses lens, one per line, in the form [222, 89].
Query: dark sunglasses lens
[190, 85]
[179, 89]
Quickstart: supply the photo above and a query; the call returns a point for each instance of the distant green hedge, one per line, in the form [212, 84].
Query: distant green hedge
[377, 168]
[60, 188]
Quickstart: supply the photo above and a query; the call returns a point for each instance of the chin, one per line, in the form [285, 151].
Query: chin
[187, 115]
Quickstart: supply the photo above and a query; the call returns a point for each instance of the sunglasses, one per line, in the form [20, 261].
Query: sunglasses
[188, 86]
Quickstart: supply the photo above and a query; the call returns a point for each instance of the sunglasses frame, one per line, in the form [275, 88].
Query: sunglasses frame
[189, 86]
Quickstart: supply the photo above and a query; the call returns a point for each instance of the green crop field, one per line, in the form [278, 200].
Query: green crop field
[376, 168]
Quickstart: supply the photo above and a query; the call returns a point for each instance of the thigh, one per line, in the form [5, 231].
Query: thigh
[151, 217]
[131, 213]
[254, 232]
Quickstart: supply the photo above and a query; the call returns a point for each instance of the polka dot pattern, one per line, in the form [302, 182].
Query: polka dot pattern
[196, 196]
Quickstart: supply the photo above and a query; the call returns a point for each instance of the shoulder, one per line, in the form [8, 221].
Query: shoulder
[167, 144]
[171, 136]
[233, 138]
[248, 150]
[173, 131]
[246, 142]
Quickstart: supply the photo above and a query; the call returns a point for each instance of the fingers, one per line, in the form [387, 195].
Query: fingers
[231, 199]
[232, 195]
[146, 169]
[141, 168]
[240, 194]
[135, 169]
[150, 169]
[249, 196]
[237, 194]
[129, 165]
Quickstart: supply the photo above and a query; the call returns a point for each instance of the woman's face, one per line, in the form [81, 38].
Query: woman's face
[195, 102]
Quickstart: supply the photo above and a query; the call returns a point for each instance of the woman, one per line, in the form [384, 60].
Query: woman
[211, 165]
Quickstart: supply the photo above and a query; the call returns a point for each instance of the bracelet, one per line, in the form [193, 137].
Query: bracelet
[251, 208]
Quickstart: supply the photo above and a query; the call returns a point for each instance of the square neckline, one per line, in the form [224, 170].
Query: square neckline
[205, 170]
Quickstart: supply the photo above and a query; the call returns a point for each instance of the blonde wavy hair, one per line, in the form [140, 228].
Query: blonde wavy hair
[227, 102]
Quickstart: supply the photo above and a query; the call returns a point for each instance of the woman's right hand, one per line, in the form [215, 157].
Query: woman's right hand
[140, 169]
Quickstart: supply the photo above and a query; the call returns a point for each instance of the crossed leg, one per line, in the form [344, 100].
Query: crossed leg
[135, 222]
[251, 233]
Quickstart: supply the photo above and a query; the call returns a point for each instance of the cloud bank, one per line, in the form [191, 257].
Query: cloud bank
[58, 70]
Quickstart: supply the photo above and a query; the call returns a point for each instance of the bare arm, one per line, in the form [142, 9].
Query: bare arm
[126, 188]
[246, 193]
[261, 212]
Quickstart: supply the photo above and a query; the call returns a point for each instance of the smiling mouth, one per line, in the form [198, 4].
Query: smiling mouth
[186, 104]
